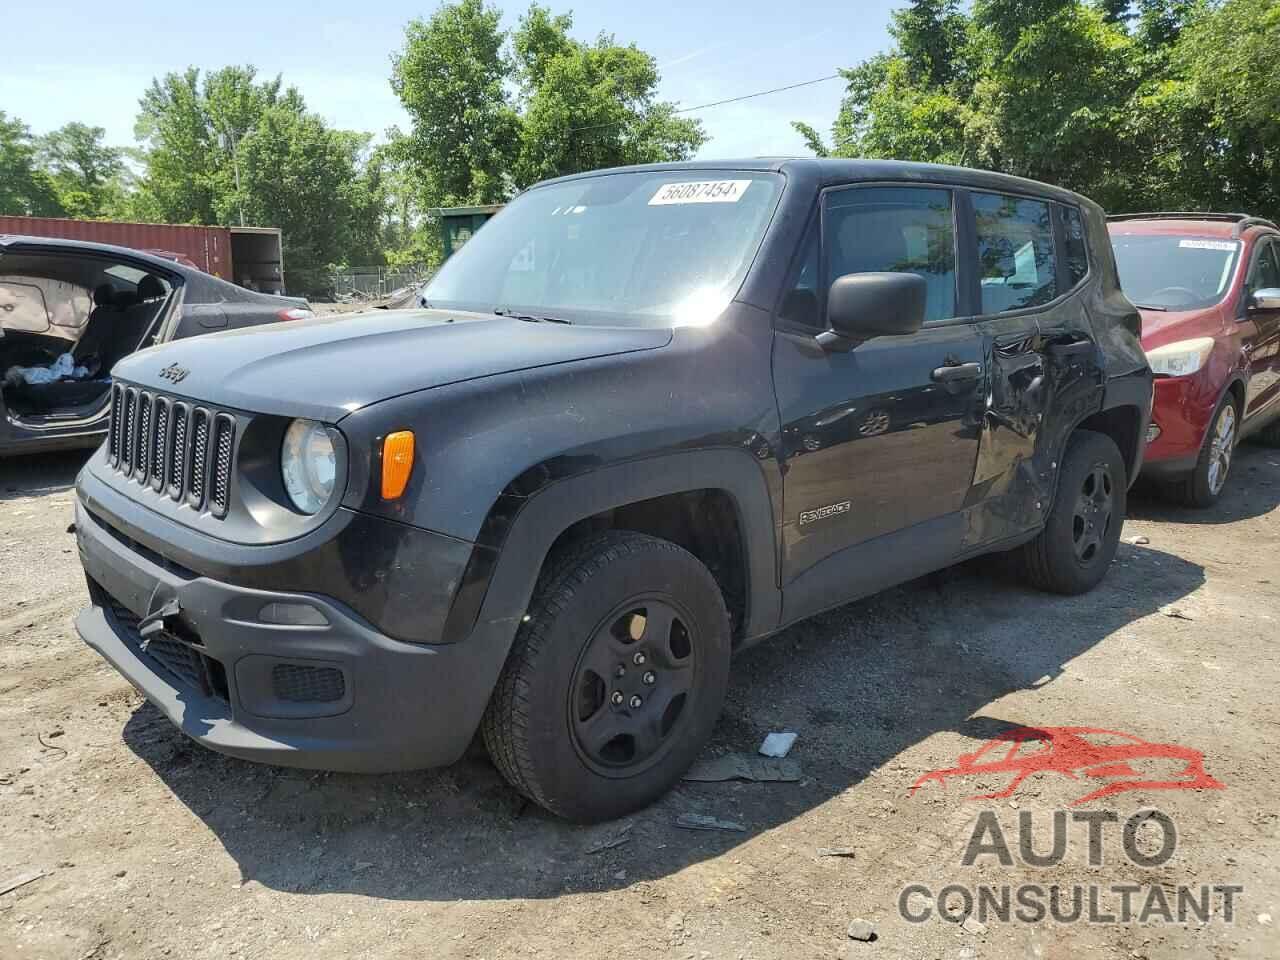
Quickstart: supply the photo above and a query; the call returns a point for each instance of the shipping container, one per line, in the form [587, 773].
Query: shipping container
[250, 256]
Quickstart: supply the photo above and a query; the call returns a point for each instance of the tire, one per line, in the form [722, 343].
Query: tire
[1202, 486]
[1068, 556]
[615, 680]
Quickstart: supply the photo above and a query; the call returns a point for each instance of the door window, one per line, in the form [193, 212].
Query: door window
[1266, 269]
[1015, 252]
[898, 230]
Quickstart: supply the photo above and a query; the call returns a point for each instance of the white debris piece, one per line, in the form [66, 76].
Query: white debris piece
[778, 744]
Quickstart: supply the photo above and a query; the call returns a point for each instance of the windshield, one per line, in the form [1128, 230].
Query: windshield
[1175, 273]
[634, 249]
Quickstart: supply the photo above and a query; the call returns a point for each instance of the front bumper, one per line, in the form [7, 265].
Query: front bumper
[1182, 408]
[336, 696]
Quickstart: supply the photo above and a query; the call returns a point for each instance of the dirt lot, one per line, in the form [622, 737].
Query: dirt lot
[152, 846]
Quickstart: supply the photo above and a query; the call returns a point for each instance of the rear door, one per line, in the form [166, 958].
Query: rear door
[1032, 274]
[882, 438]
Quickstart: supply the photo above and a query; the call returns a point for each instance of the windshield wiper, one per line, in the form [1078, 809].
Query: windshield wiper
[1151, 306]
[528, 317]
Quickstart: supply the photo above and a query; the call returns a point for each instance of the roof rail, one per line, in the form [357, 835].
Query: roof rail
[1242, 221]
[1180, 215]
[1248, 222]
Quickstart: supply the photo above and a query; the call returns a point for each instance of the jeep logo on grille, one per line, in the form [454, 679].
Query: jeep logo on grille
[174, 373]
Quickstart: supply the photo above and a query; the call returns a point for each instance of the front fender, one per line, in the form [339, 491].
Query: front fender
[524, 524]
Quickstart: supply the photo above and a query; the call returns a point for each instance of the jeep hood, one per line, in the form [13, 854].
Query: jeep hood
[326, 368]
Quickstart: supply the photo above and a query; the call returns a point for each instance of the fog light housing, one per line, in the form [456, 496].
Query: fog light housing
[1153, 431]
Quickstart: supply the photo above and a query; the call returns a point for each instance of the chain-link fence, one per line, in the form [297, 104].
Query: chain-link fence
[377, 283]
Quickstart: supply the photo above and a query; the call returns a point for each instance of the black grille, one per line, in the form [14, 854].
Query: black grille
[302, 684]
[179, 662]
[172, 445]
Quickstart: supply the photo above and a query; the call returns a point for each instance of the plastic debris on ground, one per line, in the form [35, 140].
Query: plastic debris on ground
[777, 744]
[610, 835]
[696, 821]
[736, 766]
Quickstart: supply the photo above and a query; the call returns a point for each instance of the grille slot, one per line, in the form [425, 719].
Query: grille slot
[178, 460]
[117, 424]
[220, 487]
[142, 450]
[161, 414]
[297, 683]
[173, 446]
[199, 457]
[126, 444]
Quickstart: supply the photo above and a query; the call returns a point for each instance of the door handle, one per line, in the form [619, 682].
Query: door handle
[957, 371]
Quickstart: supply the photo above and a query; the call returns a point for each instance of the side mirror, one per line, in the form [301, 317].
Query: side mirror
[865, 305]
[1268, 298]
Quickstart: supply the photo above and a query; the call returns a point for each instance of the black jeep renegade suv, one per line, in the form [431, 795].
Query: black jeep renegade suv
[647, 417]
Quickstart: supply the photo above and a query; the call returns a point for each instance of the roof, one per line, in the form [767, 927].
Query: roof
[830, 171]
[27, 244]
[1227, 226]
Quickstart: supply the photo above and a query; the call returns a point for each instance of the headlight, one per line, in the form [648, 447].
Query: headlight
[308, 465]
[1181, 358]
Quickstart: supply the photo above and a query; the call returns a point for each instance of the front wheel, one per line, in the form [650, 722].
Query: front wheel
[1203, 485]
[615, 680]
[1075, 548]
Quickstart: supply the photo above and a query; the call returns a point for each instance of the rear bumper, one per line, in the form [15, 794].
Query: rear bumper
[336, 696]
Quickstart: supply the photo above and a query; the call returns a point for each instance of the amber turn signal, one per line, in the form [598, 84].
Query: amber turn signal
[397, 463]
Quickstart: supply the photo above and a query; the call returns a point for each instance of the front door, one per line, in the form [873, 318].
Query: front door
[1260, 331]
[884, 437]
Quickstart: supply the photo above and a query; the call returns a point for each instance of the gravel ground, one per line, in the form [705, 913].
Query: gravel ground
[151, 846]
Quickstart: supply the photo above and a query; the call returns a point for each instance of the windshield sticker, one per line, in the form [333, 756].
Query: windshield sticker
[700, 191]
[1227, 245]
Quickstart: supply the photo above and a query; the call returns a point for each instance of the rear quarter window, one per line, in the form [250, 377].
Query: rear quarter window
[1016, 261]
[1076, 249]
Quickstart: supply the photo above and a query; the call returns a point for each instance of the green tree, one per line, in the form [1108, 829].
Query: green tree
[451, 76]
[25, 189]
[227, 146]
[89, 177]
[1217, 112]
[588, 106]
[492, 111]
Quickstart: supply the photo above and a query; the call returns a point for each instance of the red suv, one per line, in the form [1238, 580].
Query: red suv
[1208, 288]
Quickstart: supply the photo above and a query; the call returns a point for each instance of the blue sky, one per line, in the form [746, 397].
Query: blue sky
[83, 60]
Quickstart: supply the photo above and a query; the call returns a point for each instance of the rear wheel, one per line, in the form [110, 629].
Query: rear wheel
[615, 680]
[1203, 485]
[1075, 548]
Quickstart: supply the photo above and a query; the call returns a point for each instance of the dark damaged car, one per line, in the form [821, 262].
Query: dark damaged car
[70, 310]
[648, 417]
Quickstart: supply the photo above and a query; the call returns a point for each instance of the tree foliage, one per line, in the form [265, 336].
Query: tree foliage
[1137, 103]
[25, 188]
[89, 177]
[227, 148]
[494, 111]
